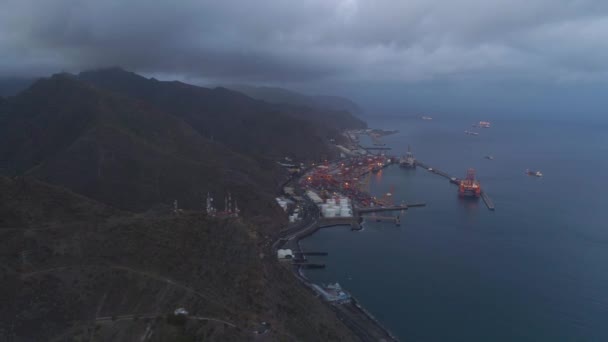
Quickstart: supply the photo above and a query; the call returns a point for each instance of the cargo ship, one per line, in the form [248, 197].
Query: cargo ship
[408, 160]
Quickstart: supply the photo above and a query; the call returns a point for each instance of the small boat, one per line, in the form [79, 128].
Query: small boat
[427, 118]
[534, 173]
[470, 133]
[489, 157]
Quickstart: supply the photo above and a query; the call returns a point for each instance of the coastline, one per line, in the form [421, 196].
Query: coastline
[352, 313]
[359, 320]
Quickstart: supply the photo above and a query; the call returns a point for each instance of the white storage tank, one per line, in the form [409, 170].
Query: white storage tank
[345, 212]
[330, 212]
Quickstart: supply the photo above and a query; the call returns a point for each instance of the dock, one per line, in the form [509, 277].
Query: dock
[312, 253]
[487, 200]
[376, 148]
[390, 208]
[437, 171]
[308, 264]
[394, 219]
[454, 180]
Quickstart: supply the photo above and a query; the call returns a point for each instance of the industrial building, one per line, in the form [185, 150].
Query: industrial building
[285, 254]
[314, 197]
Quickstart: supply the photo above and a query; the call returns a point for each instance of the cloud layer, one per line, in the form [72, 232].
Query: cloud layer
[311, 41]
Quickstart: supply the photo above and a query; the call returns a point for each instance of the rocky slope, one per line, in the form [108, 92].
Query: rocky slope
[74, 269]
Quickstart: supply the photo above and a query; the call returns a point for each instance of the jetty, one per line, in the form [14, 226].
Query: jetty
[389, 208]
[376, 148]
[487, 200]
[394, 219]
[455, 180]
[305, 264]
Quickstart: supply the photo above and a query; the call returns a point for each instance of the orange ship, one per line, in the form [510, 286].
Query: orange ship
[469, 186]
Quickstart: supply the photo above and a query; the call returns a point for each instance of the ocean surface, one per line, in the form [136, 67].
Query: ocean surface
[536, 269]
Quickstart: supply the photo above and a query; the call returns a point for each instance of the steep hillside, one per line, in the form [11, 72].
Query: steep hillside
[77, 270]
[338, 103]
[246, 125]
[13, 86]
[120, 151]
[88, 268]
[334, 111]
[274, 95]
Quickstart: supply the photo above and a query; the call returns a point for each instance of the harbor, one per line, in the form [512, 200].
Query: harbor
[336, 193]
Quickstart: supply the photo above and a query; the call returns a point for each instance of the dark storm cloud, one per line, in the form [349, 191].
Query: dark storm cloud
[315, 40]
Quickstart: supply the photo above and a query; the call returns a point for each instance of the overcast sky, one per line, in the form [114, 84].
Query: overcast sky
[332, 44]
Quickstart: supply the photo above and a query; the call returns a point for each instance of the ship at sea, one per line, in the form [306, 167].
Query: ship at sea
[408, 161]
[534, 173]
[482, 124]
[470, 133]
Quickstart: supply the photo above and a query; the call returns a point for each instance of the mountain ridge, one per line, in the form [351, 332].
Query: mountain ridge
[120, 151]
[245, 125]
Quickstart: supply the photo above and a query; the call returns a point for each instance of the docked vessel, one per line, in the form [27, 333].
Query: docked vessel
[534, 173]
[408, 161]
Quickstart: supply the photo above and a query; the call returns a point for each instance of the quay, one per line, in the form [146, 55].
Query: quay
[376, 148]
[312, 253]
[454, 180]
[394, 219]
[305, 264]
[487, 200]
[437, 171]
[390, 208]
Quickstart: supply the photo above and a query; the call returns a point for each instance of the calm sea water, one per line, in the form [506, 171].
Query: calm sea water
[536, 269]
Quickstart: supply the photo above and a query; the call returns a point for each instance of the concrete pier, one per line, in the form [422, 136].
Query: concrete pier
[369, 148]
[394, 219]
[487, 200]
[390, 208]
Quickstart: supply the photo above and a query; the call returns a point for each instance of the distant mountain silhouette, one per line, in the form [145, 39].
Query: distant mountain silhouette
[332, 110]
